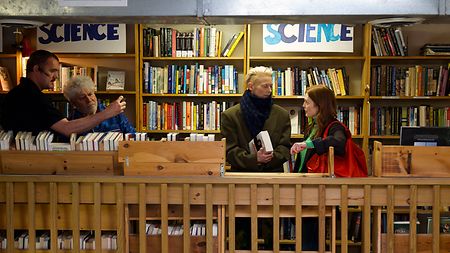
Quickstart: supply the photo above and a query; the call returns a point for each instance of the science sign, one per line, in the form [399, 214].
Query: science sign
[307, 38]
[82, 38]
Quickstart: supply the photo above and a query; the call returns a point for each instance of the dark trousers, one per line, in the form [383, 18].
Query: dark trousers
[310, 233]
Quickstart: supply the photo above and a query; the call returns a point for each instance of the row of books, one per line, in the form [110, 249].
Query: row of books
[107, 78]
[418, 80]
[176, 228]
[99, 141]
[389, 42]
[183, 115]
[350, 116]
[201, 42]
[87, 240]
[3, 241]
[6, 138]
[191, 137]
[193, 79]
[424, 224]
[65, 240]
[294, 80]
[389, 120]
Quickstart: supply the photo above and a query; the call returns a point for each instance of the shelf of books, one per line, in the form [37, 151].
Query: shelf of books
[177, 231]
[64, 233]
[295, 71]
[190, 75]
[408, 85]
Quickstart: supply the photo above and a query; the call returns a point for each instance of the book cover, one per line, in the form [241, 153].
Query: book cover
[5, 80]
[234, 44]
[294, 117]
[262, 140]
[115, 80]
[228, 45]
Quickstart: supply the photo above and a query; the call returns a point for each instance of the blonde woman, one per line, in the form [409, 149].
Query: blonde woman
[256, 112]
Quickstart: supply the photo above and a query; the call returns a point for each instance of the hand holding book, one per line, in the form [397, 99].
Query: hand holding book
[263, 156]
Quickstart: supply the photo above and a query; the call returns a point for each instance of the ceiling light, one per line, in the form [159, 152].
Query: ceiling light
[396, 22]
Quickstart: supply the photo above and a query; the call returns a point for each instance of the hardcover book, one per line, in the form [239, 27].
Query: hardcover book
[115, 80]
[262, 140]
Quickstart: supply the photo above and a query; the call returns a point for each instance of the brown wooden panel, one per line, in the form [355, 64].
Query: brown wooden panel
[42, 218]
[197, 244]
[172, 169]
[413, 161]
[59, 163]
[175, 152]
[424, 243]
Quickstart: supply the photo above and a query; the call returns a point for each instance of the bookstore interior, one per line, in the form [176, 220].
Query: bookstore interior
[168, 186]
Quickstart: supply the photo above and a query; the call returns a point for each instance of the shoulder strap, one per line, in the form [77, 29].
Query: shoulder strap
[347, 131]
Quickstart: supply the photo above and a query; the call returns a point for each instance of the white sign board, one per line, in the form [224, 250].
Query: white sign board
[307, 38]
[82, 38]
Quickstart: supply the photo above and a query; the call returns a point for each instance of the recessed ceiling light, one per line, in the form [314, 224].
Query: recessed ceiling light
[19, 23]
[396, 22]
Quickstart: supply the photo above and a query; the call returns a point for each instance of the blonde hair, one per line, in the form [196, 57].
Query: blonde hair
[256, 71]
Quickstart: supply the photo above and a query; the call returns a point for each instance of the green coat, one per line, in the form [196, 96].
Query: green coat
[238, 136]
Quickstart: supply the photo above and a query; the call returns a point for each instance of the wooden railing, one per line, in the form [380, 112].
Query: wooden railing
[271, 195]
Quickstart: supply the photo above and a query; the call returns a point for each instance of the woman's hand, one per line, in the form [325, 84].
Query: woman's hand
[298, 147]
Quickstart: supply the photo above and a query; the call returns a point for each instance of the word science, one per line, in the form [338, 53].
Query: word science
[82, 38]
[307, 38]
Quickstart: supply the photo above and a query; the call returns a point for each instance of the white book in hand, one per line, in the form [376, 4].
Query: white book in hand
[262, 140]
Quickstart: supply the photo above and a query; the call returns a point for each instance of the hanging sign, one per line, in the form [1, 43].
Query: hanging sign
[82, 38]
[307, 38]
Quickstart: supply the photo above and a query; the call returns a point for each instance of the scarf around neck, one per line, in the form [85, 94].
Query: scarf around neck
[255, 111]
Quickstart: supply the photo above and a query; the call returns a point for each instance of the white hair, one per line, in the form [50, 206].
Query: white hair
[259, 70]
[74, 86]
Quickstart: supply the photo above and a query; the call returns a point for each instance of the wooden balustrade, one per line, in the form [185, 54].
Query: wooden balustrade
[103, 203]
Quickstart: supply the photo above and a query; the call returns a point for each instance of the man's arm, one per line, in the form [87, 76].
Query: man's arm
[84, 124]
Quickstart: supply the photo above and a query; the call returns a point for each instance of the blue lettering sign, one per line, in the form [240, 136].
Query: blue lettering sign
[77, 32]
[50, 32]
[344, 31]
[301, 32]
[74, 32]
[281, 30]
[112, 32]
[276, 36]
[328, 31]
[309, 29]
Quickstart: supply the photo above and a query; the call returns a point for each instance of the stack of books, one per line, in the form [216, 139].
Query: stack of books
[436, 49]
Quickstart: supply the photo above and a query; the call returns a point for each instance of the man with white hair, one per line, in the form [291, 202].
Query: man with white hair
[79, 90]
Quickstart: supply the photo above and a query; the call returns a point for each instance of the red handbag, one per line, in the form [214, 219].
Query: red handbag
[352, 164]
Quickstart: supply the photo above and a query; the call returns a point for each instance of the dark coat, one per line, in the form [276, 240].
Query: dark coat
[238, 136]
